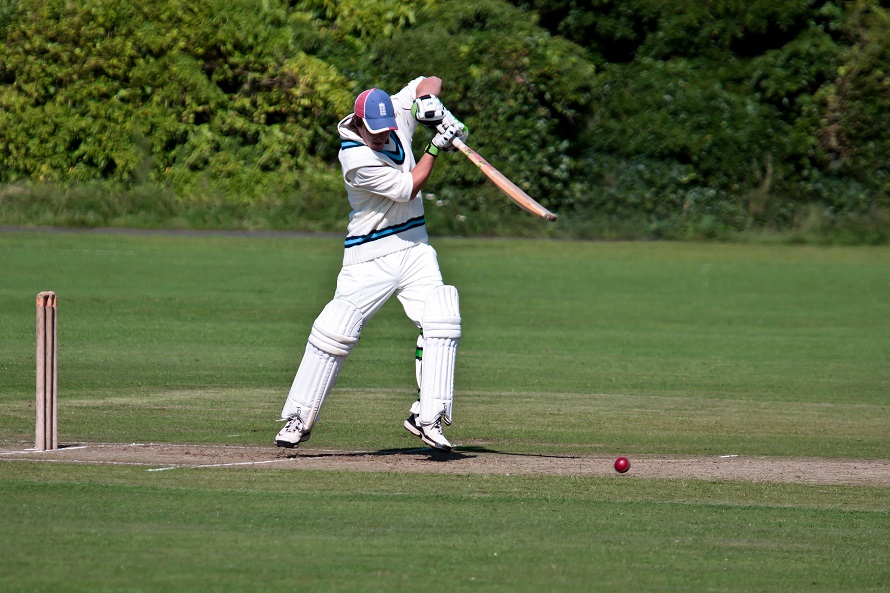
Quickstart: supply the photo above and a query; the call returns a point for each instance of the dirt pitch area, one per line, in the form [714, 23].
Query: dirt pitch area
[465, 459]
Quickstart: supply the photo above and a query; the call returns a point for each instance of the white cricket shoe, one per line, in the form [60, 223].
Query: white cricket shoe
[432, 436]
[292, 434]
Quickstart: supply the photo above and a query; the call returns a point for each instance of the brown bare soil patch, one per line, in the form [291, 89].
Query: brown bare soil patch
[467, 459]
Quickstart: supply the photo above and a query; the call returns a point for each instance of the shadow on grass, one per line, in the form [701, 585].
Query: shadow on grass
[432, 454]
[458, 453]
[480, 449]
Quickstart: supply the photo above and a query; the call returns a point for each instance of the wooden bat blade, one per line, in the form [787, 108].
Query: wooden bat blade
[522, 199]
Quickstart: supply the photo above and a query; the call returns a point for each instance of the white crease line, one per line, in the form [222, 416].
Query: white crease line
[30, 451]
[25, 452]
[84, 461]
[154, 469]
[163, 469]
[175, 445]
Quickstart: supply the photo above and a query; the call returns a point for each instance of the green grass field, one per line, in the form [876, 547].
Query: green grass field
[569, 348]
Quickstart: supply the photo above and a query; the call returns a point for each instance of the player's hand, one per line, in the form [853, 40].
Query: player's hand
[428, 110]
[445, 138]
[464, 132]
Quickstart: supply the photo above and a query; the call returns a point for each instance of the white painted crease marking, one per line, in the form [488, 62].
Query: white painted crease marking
[84, 461]
[31, 451]
[186, 466]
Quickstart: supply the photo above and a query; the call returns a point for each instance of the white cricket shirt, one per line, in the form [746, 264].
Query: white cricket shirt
[384, 218]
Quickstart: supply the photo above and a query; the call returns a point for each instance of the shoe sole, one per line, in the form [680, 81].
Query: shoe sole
[412, 429]
[434, 444]
[290, 445]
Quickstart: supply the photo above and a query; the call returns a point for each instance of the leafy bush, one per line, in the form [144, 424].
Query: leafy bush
[757, 114]
[176, 92]
[631, 118]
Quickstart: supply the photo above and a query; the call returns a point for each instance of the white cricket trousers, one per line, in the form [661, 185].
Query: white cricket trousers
[410, 274]
[413, 276]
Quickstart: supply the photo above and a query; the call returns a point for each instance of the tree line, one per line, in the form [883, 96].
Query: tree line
[629, 118]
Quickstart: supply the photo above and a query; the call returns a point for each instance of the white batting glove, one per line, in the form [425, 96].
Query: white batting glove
[463, 130]
[428, 110]
[445, 138]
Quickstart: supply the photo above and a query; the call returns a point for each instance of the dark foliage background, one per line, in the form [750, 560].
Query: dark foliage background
[630, 118]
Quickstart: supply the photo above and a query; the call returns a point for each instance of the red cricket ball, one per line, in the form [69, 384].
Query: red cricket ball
[622, 464]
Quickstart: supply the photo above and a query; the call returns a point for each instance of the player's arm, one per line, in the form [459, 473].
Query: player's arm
[429, 111]
[421, 172]
[440, 142]
[431, 85]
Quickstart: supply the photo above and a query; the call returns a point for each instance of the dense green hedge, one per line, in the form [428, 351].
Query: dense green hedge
[186, 94]
[731, 115]
[631, 118]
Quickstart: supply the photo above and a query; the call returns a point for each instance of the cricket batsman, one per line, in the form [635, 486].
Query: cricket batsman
[386, 253]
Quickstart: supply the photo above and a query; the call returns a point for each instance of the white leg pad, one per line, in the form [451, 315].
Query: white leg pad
[333, 335]
[441, 334]
[315, 378]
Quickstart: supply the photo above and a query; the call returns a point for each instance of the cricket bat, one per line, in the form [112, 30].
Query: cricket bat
[522, 199]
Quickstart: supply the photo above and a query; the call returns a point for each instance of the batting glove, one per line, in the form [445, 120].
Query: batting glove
[444, 139]
[463, 130]
[428, 110]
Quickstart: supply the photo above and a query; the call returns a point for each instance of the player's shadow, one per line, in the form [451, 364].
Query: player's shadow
[432, 454]
[483, 450]
[458, 453]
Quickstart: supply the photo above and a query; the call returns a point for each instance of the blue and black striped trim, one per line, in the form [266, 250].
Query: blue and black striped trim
[383, 233]
[393, 148]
